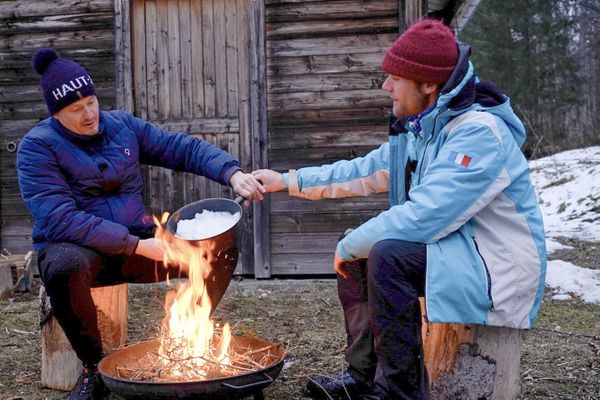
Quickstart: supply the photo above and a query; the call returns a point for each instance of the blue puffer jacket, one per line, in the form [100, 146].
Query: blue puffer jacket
[88, 190]
[463, 187]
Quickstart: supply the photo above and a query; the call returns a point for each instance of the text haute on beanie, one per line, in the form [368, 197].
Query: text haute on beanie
[63, 81]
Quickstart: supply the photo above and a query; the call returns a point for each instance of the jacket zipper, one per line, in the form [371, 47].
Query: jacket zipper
[488, 277]
[422, 161]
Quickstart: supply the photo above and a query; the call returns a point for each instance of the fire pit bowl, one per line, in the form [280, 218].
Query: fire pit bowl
[234, 387]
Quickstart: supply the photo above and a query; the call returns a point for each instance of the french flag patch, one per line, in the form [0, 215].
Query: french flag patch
[459, 158]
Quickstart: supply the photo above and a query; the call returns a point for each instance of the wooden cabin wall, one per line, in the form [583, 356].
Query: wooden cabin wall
[81, 31]
[325, 103]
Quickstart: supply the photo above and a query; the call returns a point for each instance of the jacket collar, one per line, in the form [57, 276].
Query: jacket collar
[80, 139]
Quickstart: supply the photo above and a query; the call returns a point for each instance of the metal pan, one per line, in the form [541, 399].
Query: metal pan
[219, 250]
[190, 210]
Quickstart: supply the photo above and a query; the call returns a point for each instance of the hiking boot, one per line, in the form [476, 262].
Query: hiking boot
[89, 386]
[344, 387]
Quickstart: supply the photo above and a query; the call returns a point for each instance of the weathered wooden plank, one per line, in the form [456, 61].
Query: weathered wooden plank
[324, 64]
[330, 10]
[323, 100]
[12, 130]
[245, 140]
[310, 223]
[25, 76]
[352, 44]
[208, 46]
[124, 73]
[16, 244]
[326, 82]
[152, 73]
[197, 60]
[302, 264]
[16, 227]
[318, 154]
[201, 125]
[339, 136]
[243, 74]
[187, 67]
[302, 243]
[16, 58]
[102, 38]
[220, 35]
[14, 209]
[57, 23]
[10, 9]
[174, 60]
[140, 78]
[258, 132]
[231, 45]
[162, 59]
[325, 117]
[282, 203]
[329, 28]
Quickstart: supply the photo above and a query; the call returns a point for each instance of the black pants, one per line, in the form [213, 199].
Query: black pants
[383, 319]
[70, 271]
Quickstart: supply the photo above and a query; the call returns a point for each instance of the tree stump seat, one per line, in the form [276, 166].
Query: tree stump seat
[60, 365]
[472, 361]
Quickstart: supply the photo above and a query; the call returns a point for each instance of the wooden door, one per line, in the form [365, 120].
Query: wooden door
[189, 62]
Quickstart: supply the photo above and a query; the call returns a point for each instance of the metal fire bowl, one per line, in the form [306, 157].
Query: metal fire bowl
[235, 387]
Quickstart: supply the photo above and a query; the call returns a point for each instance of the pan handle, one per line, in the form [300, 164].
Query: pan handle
[240, 199]
[250, 385]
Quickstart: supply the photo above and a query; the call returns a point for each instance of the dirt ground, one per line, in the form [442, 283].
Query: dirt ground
[561, 355]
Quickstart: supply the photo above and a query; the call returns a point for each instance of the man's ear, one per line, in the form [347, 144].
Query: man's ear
[429, 88]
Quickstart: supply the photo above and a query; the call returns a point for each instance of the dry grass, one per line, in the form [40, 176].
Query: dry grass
[560, 359]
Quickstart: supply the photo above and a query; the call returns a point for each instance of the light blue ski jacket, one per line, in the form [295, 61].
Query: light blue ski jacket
[469, 198]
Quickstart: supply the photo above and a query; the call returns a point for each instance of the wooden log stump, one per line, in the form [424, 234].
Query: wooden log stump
[6, 281]
[60, 365]
[15, 273]
[472, 361]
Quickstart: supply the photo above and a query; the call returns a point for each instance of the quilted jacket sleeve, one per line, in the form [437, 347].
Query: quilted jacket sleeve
[182, 152]
[360, 176]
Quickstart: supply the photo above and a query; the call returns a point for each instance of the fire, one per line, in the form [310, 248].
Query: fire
[191, 344]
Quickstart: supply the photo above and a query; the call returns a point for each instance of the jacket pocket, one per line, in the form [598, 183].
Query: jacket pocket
[488, 277]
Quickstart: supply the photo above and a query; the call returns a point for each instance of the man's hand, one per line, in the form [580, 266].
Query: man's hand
[340, 266]
[271, 180]
[247, 185]
[150, 248]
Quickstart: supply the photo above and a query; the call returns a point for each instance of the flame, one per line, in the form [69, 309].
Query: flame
[190, 341]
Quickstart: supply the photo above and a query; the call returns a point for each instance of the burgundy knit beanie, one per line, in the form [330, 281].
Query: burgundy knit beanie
[63, 81]
[426, 52]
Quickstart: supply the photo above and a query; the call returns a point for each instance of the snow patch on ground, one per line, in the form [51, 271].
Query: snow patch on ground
[568, 189]
[566, 279]
[553, 245]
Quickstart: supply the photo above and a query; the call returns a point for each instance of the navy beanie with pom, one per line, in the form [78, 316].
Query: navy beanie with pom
[63, 81]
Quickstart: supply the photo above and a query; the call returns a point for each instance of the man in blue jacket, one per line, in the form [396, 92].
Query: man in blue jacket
[463, 229]
[79, 174]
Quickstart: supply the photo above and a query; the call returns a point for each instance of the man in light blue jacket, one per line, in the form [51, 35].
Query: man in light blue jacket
[463, 229]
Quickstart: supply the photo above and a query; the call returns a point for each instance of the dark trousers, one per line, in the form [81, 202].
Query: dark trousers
[383, 319]
[70, 271]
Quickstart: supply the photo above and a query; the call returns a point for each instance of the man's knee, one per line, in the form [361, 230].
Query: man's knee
[63, 260]
[390, 253]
